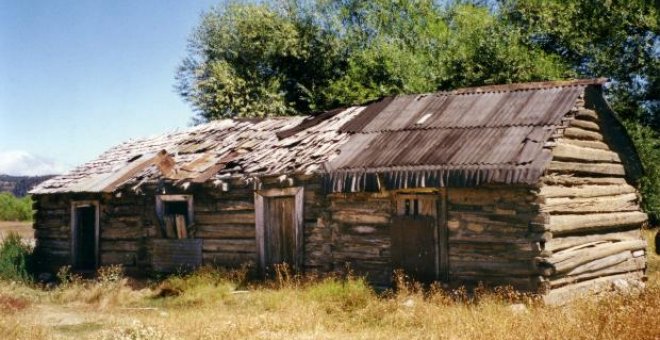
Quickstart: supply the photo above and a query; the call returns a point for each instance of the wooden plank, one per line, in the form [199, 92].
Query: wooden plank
[176, 255]
[229, 259]
[585, 124]
[111, 233]
[229, 245]
[577, 133]
[180, 222]
[225, 231]
[625, 202]
[570, 152]
[562, 224]
[570, 180]
[567, 293]
[558, 243]
[626, 266]
[235, 205]
[566, 261]
[247, 217]
[584, 143]
[611, 169]
[351, 217]
[491, 268]
[585, 190]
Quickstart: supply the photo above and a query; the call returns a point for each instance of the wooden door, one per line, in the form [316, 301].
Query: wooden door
[280, 231]
[85, 238]
[414, 246]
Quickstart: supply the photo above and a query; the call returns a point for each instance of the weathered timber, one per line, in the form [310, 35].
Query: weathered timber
[558, 243]
[128, 245]
[569, 260]
[54, 244]
[111, 233]
[491, 268]
[585, 124]
[231, 259]
[630, 265]
[225, 218]
[584, 143]
[56, 233]
[585, 190]
[624, 202]
[229, 245]
[582, 154]
[235, 205]
[564, 294]
[587, 114]
[225, 231]
[122, 258]
[351, 217]
[611, 169]
[570, 180]
[601, 263]
[577, 133]
[564, 224]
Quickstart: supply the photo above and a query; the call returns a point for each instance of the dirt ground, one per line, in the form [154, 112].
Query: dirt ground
[22, 228]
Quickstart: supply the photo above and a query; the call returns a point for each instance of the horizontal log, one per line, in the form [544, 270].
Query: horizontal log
[558, 243]
[610, 169]
[231, 245]
[563, 224]
[569, 260]
[56, 233]
[235, 205]
[577, 133]
[227, 231]
[587, 114]
[225, 218]
[585, 190]
[585, 124]
[484, 196]
[567, 293]
[350, 217]
[122, 258]
[230, 259]
[110, 233]
[578, 153]
[492, 268]
[594, 144]
[570, 180]
[625, 202]
[120, 246]
[53, 244]
[630, 265]
[602, 263]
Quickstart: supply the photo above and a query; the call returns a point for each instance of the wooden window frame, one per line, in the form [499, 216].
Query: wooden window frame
[298, 194]
[74, 229]
[160, 206]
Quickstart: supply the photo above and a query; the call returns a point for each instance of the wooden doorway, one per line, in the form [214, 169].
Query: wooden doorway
[419, 236]
[279, 222]
[85, 235]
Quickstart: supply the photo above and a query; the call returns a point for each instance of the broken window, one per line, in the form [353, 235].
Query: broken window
[175, 213]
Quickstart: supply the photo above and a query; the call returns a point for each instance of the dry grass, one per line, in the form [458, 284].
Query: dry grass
[24, 229]
[218, 305]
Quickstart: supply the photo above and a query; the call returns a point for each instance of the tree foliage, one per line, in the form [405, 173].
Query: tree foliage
[13, 208]
[298, 56]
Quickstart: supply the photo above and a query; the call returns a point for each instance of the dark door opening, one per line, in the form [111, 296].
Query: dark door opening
[414, 246]
[85, 238]
[279, 232]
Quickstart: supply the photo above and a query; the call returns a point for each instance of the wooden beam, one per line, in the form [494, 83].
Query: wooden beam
[564, 224]
[587, 168]
[624, 202]
[581, 191]
[578, 153]
[559, 243]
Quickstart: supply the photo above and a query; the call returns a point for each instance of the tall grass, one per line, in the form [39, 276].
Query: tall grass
[15, 259]
[218, 304]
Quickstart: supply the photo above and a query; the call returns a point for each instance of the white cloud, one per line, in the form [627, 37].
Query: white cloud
[22, 163]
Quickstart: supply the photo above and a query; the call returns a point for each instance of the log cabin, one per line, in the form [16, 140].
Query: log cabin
[531, 185]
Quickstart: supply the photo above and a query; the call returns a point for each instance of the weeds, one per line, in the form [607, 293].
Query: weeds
[15, 259]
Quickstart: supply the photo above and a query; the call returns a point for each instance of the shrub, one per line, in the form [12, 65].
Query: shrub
[13, 208]
[15, 259]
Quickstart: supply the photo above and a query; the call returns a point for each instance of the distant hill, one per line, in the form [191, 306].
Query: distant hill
[20, 185]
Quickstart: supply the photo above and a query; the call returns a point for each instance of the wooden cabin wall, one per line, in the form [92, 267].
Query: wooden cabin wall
[591, 211]
[489, 236]
[125, 226]
[224, 220]
[361, 235]
[52, 231]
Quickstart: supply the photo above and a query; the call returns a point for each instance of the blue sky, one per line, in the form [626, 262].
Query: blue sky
[77, 77]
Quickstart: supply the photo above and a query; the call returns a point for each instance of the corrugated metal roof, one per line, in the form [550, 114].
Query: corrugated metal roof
[463, 137]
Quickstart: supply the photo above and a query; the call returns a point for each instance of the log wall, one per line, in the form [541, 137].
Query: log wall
[490, 239]
[590, 210]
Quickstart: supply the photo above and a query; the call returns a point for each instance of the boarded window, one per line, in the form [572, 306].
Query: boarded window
[176, 215]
